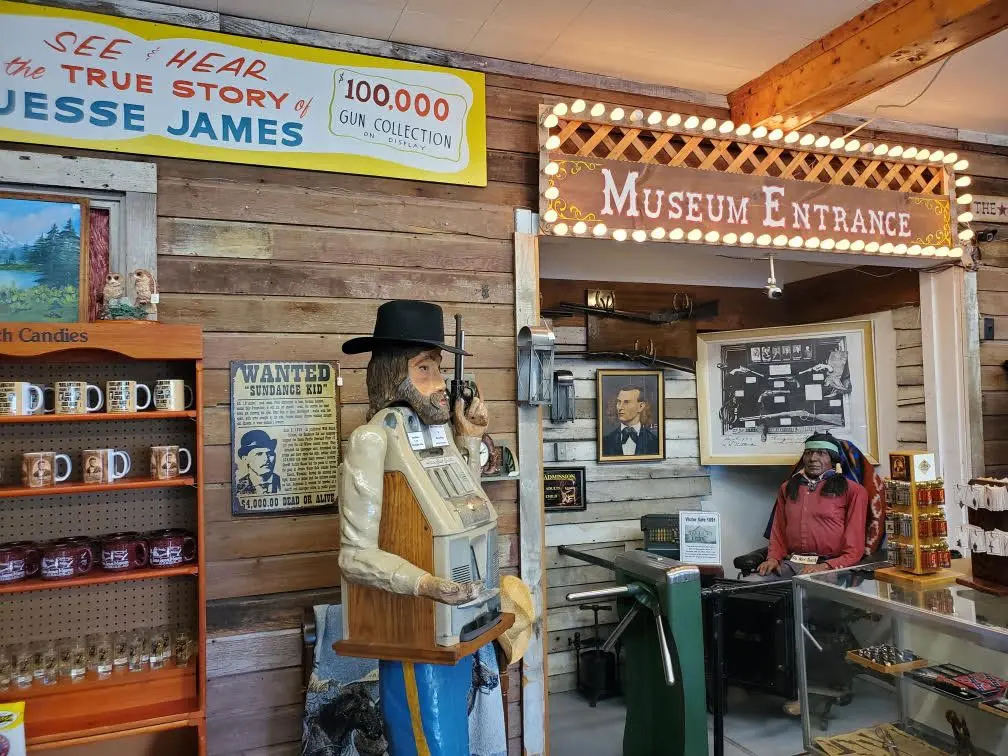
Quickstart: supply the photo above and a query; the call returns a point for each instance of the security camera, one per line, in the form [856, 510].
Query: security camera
[773, 291]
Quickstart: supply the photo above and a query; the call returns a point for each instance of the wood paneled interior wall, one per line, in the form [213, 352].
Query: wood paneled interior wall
[992, 296]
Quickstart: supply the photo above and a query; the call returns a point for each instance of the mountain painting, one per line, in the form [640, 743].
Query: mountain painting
[42, 258]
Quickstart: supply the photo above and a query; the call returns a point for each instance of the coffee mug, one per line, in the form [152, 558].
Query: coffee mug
[18, 561]
[123, 551]
[71, 398]
[62, 560]
[170, 548]
[164, 462]
[38, 469]
[124, 396]
[172, 395]
[20, 398]
[84, 541]
[100, 465]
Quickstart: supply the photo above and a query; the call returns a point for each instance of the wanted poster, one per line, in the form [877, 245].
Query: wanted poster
[284, 437]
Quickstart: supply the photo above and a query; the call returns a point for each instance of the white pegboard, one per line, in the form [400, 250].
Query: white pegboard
[75, 612]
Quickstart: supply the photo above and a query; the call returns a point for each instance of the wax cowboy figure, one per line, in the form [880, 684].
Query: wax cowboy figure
[424, 706]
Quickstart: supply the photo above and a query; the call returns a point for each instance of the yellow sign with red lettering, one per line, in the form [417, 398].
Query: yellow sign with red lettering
[78, 79]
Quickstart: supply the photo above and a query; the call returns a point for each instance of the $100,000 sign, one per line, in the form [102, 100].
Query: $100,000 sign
[285, 437]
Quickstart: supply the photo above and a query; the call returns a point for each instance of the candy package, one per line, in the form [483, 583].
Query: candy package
[12, 738]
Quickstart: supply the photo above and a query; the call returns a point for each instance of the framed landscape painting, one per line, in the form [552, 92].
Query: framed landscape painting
[762, 392]
[43, 258]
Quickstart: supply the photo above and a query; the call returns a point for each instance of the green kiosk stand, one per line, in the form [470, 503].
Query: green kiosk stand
[661, 630]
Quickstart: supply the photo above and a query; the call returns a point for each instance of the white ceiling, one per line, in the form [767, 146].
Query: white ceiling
[709, 45]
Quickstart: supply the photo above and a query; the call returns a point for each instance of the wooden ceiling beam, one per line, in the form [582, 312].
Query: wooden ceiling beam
[890, 40]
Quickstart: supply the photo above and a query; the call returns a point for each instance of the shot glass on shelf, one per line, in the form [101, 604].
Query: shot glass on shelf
[6, 667]
[184, 646]
[23, 657]
[48, 669]
[99, 646]
[137, 650]
[78, 659]
[120, 650]
[160, 646]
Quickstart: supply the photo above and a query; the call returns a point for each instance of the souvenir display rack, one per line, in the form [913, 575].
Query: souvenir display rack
[126, 702]
[916, 528]
[986, 516]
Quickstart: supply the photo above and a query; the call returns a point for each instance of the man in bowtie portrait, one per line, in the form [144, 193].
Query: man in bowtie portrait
[634, 437]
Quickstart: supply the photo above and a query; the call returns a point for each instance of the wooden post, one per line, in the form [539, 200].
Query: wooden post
[531, 526]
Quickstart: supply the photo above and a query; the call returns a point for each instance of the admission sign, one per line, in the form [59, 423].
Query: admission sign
[77, 79]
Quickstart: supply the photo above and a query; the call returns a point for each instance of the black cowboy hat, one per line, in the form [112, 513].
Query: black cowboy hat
[405, 322]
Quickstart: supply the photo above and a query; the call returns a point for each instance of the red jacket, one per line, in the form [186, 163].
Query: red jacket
[828, 526]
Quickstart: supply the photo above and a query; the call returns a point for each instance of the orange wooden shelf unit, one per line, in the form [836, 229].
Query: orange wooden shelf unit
[76, 487]
[94, 710]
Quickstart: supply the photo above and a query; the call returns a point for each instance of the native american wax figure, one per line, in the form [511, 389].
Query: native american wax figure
[405, 372]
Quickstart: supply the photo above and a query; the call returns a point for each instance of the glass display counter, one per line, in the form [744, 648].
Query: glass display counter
[892, 668]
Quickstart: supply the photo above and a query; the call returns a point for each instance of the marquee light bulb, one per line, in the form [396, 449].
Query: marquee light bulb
[550, 120]
[942, 252]
[910, 152]
[580, 227]
[551, 168]
[872, 247]
[673, 120]
[791, 137]
[895, 151]
[827, 244]
[882, 149]
[964, 199]
[709, 124]
[727, 127]
[965, 217]
[551, 193]
[695, 235]
[923, 155]
[578, 106]
[711, 237]
[843, 245]
[639, 235]
[619, 234]
[599, 229]
[637, 116]
[676, 234]
[857, 245]
[560, 108]
[837, 143]
[962, 181]
[956, 252]
[550, 216]
[867, 147]
[914, 249]
[823, 141]
[928, 251]
[950, 158]
[812, 242]
[692, 122]
[795, 241]
[560, 229]
[658, 233]
[764, 240]
[776, 134]
[553, 142]
[966, 234]
[730, 238]
[937, 156]
[759, 132]
[887, 248]
[961, 165]
[807, 139]
[780, 240]
[598, 109]
[617, 114]
[655, 118]
[900, 249]
[852, 145]
[743, 130]
[747, 238]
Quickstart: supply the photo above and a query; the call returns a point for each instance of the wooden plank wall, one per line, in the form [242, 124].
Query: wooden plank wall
[992, 296]
[911, 428]
[617, 496]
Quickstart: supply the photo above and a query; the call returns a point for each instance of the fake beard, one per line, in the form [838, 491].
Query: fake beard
[433, 409]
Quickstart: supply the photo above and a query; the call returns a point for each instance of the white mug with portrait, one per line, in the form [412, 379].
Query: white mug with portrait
[20, 398]
[172, 395]
[164, 462]
[124, 396]
[41, 469]
[105, 465]
[72, 398]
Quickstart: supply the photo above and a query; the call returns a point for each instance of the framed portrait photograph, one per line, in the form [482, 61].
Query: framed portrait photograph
[564, 489]
[761, 393]
[43, 258]
[631, 415]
